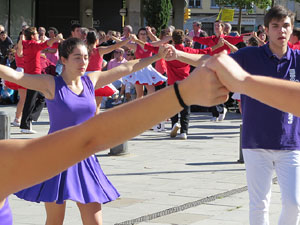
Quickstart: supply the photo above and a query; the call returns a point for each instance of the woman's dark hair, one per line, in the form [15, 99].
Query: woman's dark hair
[141, 29]
[54, 30]
[253, 42]
[92, 37]
[67, 46]
[278, 12]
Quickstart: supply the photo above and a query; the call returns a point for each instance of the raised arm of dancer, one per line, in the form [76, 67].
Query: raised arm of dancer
[151, 35]
[232, 47]
[20, 46]
[134, 38]
[260, 42]
[101, 78]
[192, 59]
[259, 87]
[107, 49]
[58, 38]
[27, 162]
[38, 82]
[162, 41]
[129, 45]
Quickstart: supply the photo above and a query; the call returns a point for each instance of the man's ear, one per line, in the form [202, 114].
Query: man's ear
[267, 31]
[63, 60]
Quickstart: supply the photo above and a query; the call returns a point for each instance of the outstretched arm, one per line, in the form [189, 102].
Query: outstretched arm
[191, 59]
[38, 82]
[32, 161]
[261, 88]
[151, 35]
[101, 78]
[107, 49]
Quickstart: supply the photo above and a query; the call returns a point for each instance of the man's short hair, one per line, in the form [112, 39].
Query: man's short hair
[178, 36]
[198, 23]
[74, 26]
[54, 30]
[221, 23]
[29, 32]
[278, 12]
[129, 28]
[296, 32]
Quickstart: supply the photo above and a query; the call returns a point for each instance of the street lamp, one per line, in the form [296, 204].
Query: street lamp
[123, 13]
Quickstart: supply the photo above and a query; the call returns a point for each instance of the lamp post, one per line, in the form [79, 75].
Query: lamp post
[123, 13]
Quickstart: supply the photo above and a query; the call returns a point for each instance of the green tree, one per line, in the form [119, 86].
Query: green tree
[157, 13]
[244, 4]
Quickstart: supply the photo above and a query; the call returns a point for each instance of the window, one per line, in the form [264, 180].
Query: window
[195, 3]
[213, 4]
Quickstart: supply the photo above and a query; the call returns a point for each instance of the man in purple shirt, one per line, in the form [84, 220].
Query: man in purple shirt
[271, 138]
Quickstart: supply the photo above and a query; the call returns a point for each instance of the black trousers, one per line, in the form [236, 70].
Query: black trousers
[33, 106]
[217, 110]
[184, 119]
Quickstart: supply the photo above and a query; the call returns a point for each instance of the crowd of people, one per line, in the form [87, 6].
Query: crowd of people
[191, 68]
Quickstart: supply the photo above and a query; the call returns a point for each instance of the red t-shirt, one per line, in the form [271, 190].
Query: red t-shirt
[294, 46]
[31, 55]
[213, 40]
[140, 53]
[95, 61]
[19, 61]
[177, 70]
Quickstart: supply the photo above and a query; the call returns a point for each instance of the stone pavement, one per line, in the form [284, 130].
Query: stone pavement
[166, 181]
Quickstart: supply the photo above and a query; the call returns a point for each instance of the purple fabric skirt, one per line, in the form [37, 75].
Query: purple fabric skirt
[5, 214]
[84, 182]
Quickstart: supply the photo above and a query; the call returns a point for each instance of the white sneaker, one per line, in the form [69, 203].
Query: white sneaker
[183, 136]
[222, 116]
[27, 131]
[174, 130]
[214, 119]
[117, 102]
[15, 123]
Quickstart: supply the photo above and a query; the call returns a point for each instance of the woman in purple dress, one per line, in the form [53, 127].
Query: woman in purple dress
[71, 101]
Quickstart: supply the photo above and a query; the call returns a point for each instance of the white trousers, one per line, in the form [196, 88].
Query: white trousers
[260, 165]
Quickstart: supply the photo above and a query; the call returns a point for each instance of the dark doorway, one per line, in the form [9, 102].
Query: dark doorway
[57, 13]
[107, 16]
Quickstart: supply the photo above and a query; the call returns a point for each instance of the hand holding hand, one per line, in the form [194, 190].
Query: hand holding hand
[203, 88]
[133, 37]
[228, 71]
[172, 53]
[163, 51]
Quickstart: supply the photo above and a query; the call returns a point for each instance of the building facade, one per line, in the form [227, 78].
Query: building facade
[206, 11]
[102, 15]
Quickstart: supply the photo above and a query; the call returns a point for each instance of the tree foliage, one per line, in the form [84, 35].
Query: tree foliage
[157, 13]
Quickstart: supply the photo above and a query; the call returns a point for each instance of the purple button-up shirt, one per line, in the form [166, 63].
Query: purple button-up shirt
[263, 126]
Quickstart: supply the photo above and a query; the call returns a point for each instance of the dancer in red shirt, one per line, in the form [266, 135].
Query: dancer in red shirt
[294, 42]
[34, 102]
[178, 71]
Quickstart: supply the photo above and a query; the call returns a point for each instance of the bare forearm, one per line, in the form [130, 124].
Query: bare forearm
[192, 59]
[232, 47]
[9, 74]
[265, 89]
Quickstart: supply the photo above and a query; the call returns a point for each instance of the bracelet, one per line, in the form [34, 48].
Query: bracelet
[180, 100]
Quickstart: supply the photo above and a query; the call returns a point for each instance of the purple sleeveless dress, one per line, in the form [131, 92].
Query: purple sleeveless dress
[5, 214]
[84, 182]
